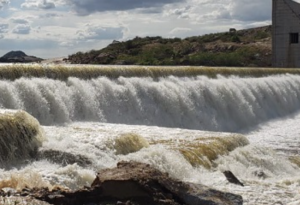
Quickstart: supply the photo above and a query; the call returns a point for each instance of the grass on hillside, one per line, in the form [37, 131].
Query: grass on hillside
[219, 49]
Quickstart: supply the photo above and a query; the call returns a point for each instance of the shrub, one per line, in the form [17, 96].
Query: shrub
[261, 35]
[235, 38]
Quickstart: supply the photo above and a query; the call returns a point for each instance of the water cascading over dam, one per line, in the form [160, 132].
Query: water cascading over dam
[93, 117]
[199, 102]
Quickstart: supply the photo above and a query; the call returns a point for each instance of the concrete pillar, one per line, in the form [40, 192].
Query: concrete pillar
[286, 33]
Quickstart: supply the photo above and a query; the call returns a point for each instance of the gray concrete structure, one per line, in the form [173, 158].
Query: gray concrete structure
[285, 33]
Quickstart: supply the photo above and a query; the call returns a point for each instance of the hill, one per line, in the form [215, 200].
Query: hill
[249, 47]
[18, 57]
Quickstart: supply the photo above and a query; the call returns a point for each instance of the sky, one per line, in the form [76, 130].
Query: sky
[58, 28]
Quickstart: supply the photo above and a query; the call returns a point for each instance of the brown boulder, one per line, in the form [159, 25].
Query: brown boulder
[148, 185]
[136, 184]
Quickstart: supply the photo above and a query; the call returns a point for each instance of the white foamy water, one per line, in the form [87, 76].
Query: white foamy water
[82, 118]
[280, 185]
[223, 104]
[92, 139]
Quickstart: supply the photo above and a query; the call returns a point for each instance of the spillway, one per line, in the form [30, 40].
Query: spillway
[202, 103]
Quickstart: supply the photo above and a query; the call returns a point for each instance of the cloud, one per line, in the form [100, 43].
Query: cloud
[93, 32]
[90, 6]
[21, 29]
[183, 12]
[180, 31]
[217, 14]
[3, 28]
[19, 21]
[4, 3]
[38, 4]
[18, 44]
[254, 10]
[203, 11]
[50, 15]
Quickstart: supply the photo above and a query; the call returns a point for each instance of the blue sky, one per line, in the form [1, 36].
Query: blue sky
[56, 28]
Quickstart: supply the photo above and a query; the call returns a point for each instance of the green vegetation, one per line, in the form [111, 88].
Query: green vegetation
[242, 48]
[235, 58]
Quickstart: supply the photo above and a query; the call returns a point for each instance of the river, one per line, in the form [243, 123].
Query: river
[85, 117]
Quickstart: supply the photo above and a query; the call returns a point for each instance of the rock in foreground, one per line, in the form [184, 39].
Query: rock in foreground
[147, 185]
[136, 183]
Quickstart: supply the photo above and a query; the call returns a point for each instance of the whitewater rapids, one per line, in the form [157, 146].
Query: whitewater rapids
[170, 116]
[222, 104]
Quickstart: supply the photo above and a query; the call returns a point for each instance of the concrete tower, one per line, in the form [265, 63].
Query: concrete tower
[285, 33]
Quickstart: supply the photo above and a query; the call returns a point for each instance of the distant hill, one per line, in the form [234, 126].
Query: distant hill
[249, 47]
[18, 57]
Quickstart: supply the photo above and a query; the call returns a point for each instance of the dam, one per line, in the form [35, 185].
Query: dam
[178, 119]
